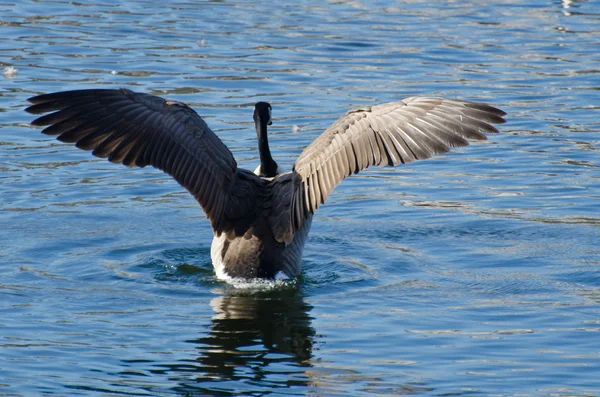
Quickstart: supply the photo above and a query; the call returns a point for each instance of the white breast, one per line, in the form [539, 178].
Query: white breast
[216, 254]
[280, 170]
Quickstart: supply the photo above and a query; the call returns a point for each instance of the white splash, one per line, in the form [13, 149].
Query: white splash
[10, 72]
[259, 284]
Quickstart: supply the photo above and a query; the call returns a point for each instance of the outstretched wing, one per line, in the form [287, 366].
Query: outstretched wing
[138, 130]
[389, 134]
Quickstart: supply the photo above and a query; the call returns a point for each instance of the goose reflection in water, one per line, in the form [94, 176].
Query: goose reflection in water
[264, 337]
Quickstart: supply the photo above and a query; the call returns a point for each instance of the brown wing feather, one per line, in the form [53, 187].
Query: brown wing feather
[388, 134]
[138, 129]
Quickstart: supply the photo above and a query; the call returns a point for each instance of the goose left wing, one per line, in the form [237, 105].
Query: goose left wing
[138, 129]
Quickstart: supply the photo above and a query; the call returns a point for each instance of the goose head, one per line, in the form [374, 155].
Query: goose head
[262, 113]
[262, 118]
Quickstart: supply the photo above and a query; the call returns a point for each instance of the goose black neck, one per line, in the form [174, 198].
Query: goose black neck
[268, 166]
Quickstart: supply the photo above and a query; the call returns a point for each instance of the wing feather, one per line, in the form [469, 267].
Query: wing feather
[392, 133]
[141, 129]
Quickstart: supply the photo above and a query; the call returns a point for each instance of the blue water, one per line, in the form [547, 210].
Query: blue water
[475, 273]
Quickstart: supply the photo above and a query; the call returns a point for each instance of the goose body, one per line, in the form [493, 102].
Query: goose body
[260, 219]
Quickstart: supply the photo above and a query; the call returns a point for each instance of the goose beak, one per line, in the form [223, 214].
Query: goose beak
[269, 122]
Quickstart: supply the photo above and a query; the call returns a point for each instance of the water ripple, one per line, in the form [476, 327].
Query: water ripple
[445, 277]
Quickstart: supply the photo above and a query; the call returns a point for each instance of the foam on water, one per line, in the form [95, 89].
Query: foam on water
[259, 285]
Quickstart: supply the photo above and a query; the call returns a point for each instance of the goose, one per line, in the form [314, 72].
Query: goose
[260, 219]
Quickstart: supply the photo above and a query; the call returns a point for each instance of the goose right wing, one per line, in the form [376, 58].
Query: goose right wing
[389, 134]
[140, 129]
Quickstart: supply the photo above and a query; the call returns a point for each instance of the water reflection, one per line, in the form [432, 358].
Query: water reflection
[571, 3]
[262, 340]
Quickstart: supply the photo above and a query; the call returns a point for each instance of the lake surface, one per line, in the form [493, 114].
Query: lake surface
[474, 273]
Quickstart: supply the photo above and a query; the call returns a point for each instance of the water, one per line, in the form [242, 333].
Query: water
[474, 273]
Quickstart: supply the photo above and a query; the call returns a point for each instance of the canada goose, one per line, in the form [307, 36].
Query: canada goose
[260, 219]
